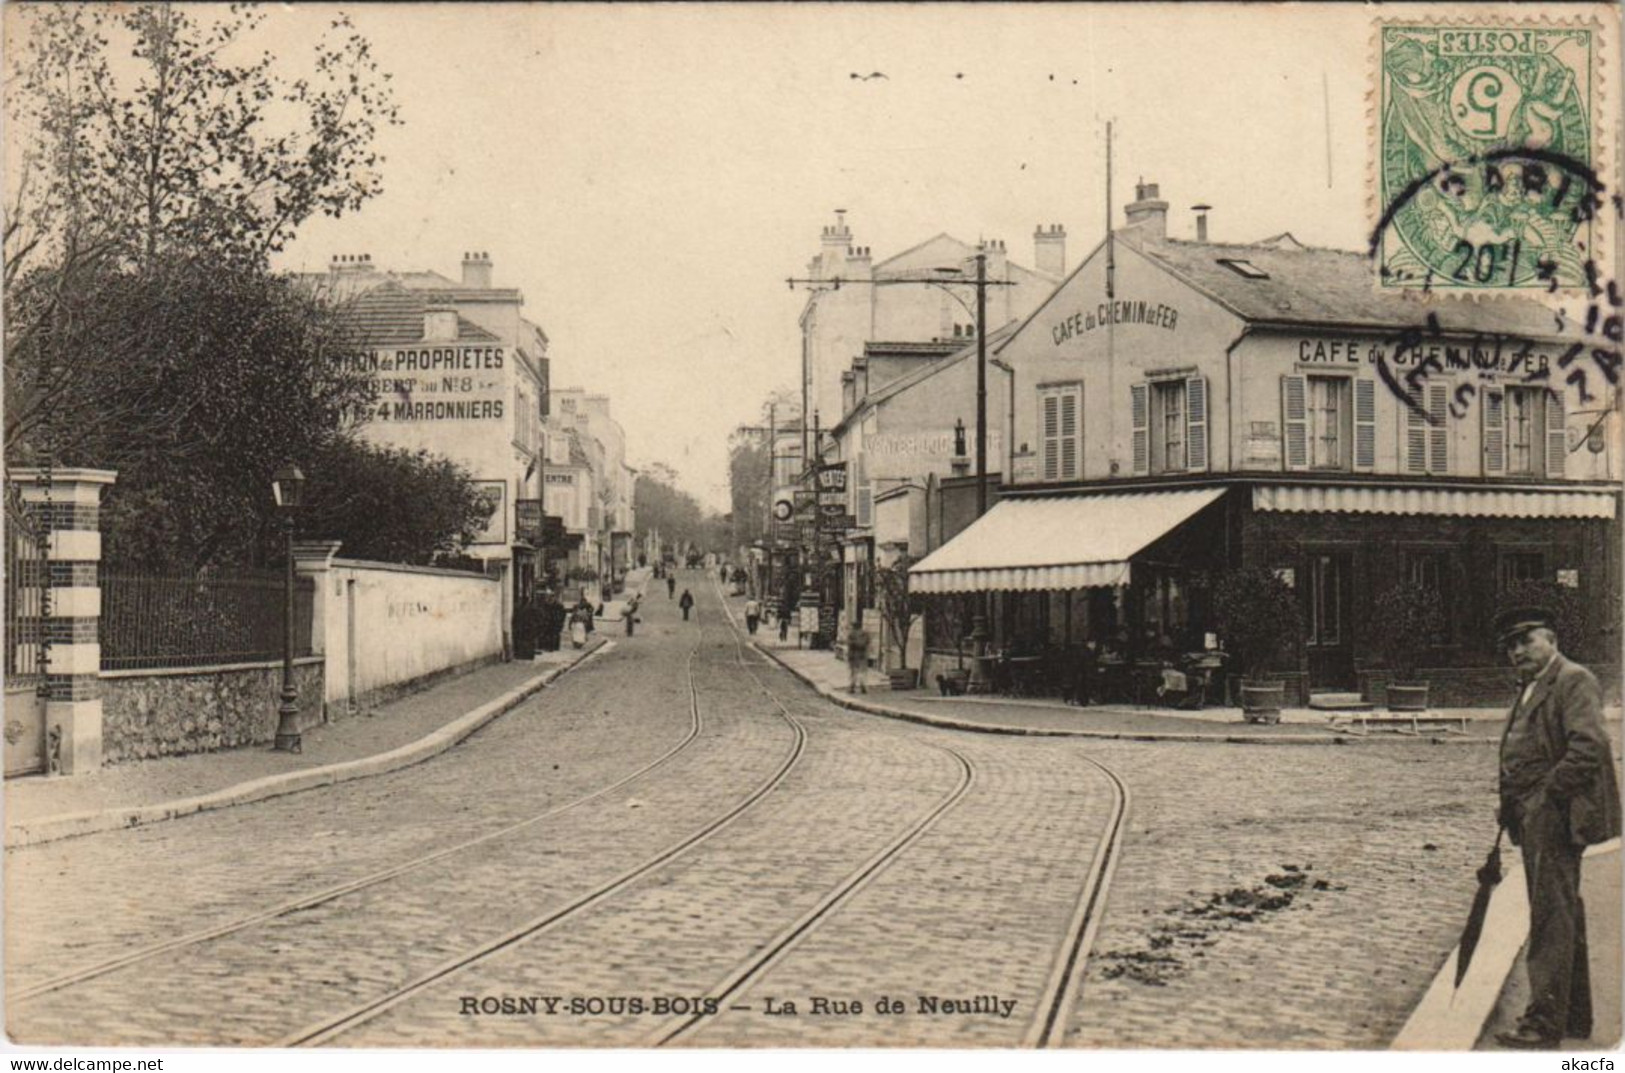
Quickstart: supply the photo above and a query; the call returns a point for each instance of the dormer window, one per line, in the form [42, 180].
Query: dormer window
[439, 325]
[1243, 268]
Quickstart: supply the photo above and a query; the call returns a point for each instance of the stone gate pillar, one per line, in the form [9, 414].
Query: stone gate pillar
[69, 505]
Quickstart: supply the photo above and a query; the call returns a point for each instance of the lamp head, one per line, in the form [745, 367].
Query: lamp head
[288, 487]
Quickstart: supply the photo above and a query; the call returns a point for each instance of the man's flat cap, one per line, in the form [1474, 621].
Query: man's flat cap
[1514, 622]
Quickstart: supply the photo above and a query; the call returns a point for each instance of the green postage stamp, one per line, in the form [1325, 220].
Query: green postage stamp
[1488, 162]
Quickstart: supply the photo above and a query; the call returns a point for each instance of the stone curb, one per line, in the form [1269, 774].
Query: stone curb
[75, 824]
[1452, 1019]
[944, 723]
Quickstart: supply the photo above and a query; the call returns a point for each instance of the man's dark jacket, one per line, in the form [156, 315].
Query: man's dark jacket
[1566, 757]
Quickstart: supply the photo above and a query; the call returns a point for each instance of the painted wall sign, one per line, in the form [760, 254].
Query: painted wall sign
[559, 478]
[1118, 311]
[933, 444]
[1484, 356]
[454, 383]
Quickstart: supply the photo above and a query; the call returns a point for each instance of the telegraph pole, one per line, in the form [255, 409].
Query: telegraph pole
[942, 278]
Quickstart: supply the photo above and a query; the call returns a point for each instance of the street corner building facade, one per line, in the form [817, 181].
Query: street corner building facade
[1180, 408]
[462, 374]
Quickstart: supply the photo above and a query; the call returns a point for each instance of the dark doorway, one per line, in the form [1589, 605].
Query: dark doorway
[1328, 592]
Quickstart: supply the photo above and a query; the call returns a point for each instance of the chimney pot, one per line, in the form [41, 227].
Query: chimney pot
[1148, 212]
[477, 270]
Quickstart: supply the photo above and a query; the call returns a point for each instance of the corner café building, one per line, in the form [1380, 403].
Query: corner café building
[1235, 405]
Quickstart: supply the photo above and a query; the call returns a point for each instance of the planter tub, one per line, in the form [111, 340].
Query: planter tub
[1408, 698]
[1262, 703]
[904, 678]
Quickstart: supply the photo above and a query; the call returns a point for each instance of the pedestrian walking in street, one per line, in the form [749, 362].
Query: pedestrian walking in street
[630, 614]
[784, 622]
[753, 615]
[671, 586]
[1558, 795]
[685, 602]
[857, 658]
[580, 624]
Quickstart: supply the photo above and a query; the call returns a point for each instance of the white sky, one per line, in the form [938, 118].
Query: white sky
[650, 175]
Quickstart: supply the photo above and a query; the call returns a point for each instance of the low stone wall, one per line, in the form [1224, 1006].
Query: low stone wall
[147, 713]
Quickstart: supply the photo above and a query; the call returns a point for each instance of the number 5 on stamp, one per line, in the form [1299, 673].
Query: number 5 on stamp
[1485, 141]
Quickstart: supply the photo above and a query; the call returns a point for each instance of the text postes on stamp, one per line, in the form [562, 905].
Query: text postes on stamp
[1485, 141]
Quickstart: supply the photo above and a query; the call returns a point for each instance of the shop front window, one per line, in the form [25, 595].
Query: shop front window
[1520, 566]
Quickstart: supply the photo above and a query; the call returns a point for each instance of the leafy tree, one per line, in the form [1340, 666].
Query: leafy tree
[1258, 617]
[748, 486]
[898, 606]
[189, 141]
[164, 162]
[393, 505]
[663, 508]
[1408, 620]
[212, 376]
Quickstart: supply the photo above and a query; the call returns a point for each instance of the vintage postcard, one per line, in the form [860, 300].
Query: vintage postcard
[725, 526]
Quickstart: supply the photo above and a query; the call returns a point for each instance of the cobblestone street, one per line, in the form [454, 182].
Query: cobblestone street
[1265, 895]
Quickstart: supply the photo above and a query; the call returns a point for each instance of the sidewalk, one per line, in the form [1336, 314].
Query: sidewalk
[1005, 715]
[396, 735]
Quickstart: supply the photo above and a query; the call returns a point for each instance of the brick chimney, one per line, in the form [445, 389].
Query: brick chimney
[859, 263]
[476, 270]
[1148, 212]
[1049, 249]
[835, 241]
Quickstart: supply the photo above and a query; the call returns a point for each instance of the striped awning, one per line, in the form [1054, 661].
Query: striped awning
[1057, 542]
[1455, 502]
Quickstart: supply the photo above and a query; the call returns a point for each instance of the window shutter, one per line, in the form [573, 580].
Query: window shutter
[1495, 432]
[1365, 424]
[1557, 445]
[1294, 422]
[1196, 421]
[866, 506]
[1439, 430]
[1416, 440]
[1139, 413]
[1052, 433]
[1070, 405]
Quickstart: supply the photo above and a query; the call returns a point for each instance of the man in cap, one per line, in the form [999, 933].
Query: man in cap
[1558, 795]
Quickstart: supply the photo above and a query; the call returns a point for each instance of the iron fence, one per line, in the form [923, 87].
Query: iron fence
[25, 592]
[151, 621]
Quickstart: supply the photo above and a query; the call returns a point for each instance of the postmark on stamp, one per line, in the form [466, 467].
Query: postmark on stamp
[1486, 143]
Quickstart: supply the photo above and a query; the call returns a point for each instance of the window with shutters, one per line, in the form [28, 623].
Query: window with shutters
[1060, 424]
[1526, 431]
[1330, 422]
[1168, 427]
[1426, 428]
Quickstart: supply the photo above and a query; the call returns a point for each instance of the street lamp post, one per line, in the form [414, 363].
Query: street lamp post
[287, 487]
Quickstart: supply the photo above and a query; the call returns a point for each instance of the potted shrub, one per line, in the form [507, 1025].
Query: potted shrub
[898, 608]
[1409, 619]
[1259, 621]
